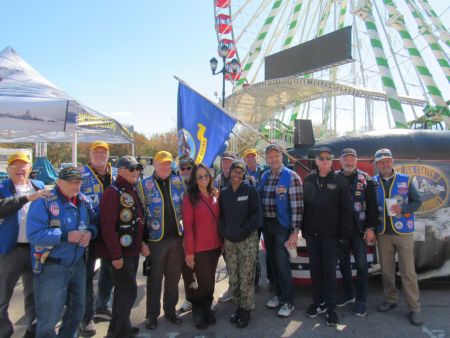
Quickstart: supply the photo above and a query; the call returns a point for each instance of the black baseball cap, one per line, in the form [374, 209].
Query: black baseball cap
[69, 174]
[228, 155]
[186, 160]
[348, 151]
[129, 162]
[323, 149]
[238, 164]
[273, 146]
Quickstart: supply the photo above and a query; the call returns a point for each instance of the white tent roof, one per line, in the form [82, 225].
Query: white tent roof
[32, 109]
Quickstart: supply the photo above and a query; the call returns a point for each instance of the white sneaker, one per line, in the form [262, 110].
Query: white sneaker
[226, 296]
[285, 310]
[273, 302]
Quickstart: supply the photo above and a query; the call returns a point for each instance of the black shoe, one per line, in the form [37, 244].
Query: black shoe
[244, 319]
[151, 323]
[332, 318]
[235, 316]
[199, 319]
[135, 330]
[315, 309]
[209, 314]
[29, 334]
[174, 318]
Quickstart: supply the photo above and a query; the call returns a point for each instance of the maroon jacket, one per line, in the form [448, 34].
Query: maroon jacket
[201, 225]
[109, 246]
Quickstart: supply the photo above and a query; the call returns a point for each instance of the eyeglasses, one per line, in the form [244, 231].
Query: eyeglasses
[187, 168]
[201, 177]
[323, 158]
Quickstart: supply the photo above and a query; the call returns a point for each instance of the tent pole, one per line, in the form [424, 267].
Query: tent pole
[74, 149]
[132, 149]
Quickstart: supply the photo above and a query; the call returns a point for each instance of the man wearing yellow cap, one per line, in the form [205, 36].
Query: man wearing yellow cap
[163, 198]
[97, 175]
[15, 194]
[253, 169]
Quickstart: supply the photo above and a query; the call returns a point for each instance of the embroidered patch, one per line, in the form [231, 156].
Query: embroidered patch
[126, 240]
[155, 225]
[398, 225]
[242, 198]
[54, 208]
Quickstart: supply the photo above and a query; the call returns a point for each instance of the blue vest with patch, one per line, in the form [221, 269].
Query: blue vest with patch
[283, 207]
[155, 205]
[92, 186]
[399, 189]
[9, 226]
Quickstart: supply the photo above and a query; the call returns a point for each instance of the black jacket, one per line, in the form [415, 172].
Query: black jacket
[240, 212]
[328, 211]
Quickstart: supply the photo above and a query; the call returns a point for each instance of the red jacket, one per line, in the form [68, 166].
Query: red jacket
[201, 225]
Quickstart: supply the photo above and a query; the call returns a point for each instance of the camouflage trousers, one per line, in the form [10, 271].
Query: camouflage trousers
[241, 266]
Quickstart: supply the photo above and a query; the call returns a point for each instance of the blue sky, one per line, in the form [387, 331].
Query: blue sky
[119, 57]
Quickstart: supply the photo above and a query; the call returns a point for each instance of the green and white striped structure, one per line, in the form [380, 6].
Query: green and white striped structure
[429, 37]
[364, 11]
[257, 45]
[444, 35]
[293, 24]
[397, 21]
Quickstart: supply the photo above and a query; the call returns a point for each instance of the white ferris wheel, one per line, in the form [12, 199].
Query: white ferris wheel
[400, 70]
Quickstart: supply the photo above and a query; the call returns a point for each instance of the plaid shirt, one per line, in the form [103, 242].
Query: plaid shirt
[295, 194]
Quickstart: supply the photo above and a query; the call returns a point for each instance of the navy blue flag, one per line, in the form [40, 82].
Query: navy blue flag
[203, 127]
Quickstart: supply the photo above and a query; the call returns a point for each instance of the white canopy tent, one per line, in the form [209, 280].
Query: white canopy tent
[33, 110]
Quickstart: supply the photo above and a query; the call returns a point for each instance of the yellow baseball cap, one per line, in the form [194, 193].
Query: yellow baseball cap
[249, 151]
[18, 157]
[163, 156]
[99, 144]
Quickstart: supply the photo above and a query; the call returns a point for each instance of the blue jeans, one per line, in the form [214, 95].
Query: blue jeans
[275, 236]
[103, 299]
[55, 287]
[357, 246]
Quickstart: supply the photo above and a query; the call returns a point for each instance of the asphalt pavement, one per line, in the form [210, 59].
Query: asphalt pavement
[435, 300]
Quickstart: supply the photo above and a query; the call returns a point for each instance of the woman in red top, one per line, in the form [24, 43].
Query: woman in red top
[202, 243]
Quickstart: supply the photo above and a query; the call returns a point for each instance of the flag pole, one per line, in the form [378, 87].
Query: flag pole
[244, 124]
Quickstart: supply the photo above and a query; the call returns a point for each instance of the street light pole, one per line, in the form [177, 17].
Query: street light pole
[234, 68]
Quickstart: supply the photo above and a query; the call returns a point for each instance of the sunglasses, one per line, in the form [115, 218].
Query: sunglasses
[132, 170]
[380, 155]
[185, 168]
[325, 158]
[201, 177]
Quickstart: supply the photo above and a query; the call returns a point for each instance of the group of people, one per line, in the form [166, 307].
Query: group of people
[182, 222]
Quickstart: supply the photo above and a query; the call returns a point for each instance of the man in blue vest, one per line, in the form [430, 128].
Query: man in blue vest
[163, 193]
[365, 219]
[16, 193]
[60, 228]
[96, 176]
[281, 192]
[395, 234]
